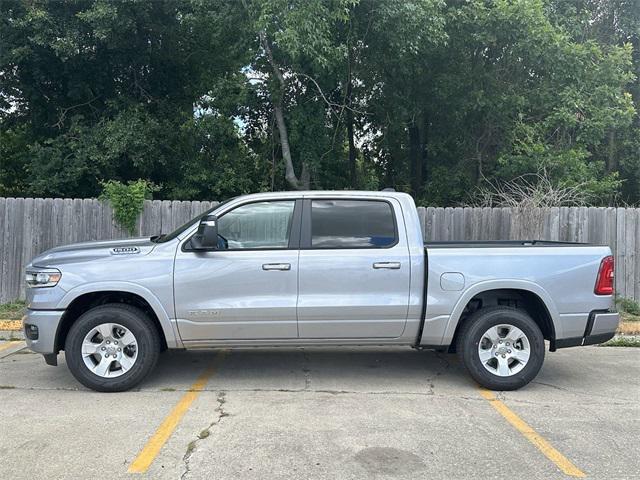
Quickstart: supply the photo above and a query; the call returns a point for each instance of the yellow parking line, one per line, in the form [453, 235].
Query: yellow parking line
[562, 462]
[10, 344]
[166, 428]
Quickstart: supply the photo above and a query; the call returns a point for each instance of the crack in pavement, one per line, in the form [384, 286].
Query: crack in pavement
[557, 387]
[444, 366]
[501, 395]
[193, 445]
[305, 369]
[573, 392]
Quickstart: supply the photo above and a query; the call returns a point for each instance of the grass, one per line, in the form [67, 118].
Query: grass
[628, 317]
[190, 448]
[627, 327]
[629, 306]
[623, 342]
[12, 311]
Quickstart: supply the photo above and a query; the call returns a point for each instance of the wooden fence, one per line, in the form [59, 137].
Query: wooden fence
[30, 226]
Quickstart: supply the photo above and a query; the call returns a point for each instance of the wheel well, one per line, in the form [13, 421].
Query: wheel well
[89, 300]
[523, 299]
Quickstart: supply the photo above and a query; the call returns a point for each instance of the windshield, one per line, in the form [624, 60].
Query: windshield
[170, 236]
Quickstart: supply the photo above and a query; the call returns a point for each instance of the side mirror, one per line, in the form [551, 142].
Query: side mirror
[206, 238]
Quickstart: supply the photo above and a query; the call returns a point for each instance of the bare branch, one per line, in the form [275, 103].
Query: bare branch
[329, 103]
[529, 197]
[533, 190]
[64, 111]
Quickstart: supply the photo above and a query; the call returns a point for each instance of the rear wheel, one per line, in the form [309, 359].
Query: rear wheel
[501, 347]
[112, 348]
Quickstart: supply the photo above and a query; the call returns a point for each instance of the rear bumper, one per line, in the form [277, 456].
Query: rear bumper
[41, 328]
[601, 326]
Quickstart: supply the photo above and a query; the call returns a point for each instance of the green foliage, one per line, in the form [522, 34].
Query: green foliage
[127, 200]
[444, 187]
[628, 305]
[12, 310]
[432, 97]
[623, 341]
[14, 145]
[303, 29]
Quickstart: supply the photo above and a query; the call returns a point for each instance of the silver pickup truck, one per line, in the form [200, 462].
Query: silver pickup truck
[315, 268]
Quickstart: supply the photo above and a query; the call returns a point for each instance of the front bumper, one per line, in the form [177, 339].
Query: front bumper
[42, 340]
[601, 326]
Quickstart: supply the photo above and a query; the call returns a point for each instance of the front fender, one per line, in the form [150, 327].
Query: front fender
[168, 326]
[512, 284]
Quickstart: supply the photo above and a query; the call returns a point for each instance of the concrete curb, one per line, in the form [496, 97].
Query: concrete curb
[11, 335]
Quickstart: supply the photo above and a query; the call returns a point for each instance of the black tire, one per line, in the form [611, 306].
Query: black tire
[129, 317]
[471, 333]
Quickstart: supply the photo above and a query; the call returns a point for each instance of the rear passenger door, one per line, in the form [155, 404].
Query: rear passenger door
[354, 269]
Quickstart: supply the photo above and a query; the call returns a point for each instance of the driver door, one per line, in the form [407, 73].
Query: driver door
[248, 288]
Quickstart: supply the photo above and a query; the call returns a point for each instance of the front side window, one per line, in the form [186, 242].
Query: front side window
[352, 224]
[257, 225]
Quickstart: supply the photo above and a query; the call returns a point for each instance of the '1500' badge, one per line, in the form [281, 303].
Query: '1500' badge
[124, 250]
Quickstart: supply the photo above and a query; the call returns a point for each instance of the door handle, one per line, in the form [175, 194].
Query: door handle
[276, 266]
[388, 265]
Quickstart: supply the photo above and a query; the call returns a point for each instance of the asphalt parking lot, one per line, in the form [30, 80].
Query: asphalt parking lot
[323, 413]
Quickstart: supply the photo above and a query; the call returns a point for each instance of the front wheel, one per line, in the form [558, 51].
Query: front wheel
[501, 347]
[112, 348]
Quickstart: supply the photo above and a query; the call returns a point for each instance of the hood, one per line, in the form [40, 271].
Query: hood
[87, 251]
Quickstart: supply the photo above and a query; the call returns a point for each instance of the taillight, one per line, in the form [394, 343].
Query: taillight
[604, 282]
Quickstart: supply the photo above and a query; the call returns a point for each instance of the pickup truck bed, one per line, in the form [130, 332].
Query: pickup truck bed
[553, 279]
[502, 243]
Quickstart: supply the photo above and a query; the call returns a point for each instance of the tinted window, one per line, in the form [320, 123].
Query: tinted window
[351, 224]
[257, 225]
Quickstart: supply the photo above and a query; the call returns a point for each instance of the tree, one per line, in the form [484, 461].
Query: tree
[209, 98]
[105, 90]
[293, 40]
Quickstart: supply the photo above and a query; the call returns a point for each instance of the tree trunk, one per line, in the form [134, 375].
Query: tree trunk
[352, 150]
[304, 181]
[350, 134]
[289, 174]
[424, 154]
[481, 145]
[612, 163]
[418, 152]
[414, 157]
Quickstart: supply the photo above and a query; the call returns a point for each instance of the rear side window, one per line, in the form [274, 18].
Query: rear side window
[352, 224]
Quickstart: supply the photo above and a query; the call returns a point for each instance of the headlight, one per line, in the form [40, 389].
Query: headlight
[48, 277]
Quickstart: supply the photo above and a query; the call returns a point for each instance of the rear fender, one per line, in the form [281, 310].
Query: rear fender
[480, 287]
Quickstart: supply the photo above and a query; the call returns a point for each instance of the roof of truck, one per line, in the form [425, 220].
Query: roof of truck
[330, 193]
